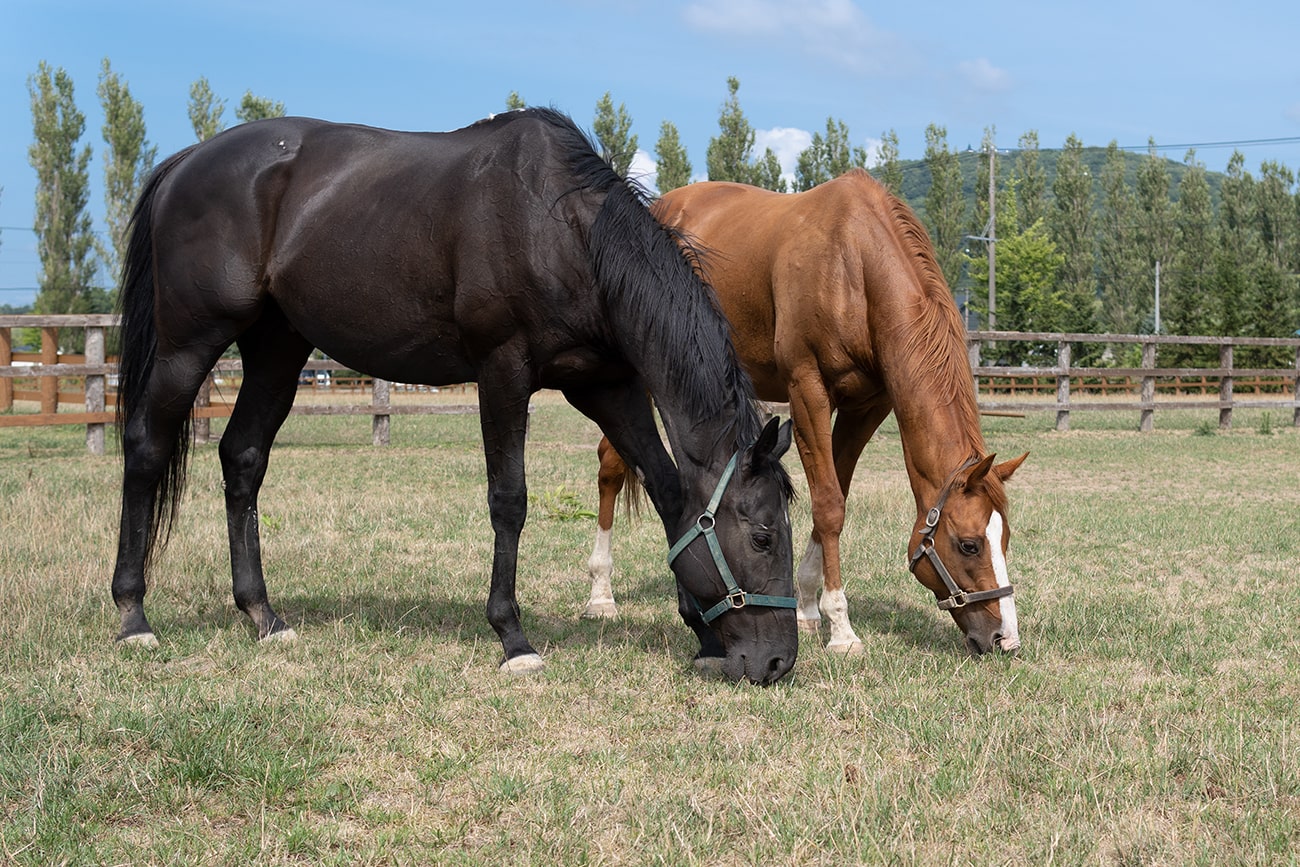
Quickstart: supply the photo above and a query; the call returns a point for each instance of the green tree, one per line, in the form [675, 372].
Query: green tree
[728, 154]
[945, 209]
[253, 108]
[613, 129]
[127, 161]
[1155, 221]
[1070, 226]
[888, 169]
[674, 165]
[514, 101]
[1191, 281]
[1276, 214]
[205, 110]
[1239, 247]
[1123, 270]
[1028, 296]
[1031, 180]
[766, 173]
[828, 157]
[63, 225]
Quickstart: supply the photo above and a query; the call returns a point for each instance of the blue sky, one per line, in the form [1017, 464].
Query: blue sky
[1184, 73]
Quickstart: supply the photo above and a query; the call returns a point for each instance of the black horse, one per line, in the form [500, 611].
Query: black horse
[507, 253]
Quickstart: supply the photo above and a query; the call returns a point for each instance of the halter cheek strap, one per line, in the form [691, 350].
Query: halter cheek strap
[957, 598]
[736, 597]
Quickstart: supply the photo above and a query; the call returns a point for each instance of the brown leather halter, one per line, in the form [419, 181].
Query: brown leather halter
[957, 598]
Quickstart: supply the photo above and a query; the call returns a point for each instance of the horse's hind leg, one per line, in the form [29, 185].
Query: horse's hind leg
[600, 566]
[273, 358]
[154, 443]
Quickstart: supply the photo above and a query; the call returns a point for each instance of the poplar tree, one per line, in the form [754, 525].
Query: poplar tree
[1155, 220]
[514, 101]
[945, 209]
[888, 169]
[1191, 280]
[766, 173]
[253, 108]
[613, 128]
[205, 110]
[1123, 271]
[674, 165]
[1239, 246]
[728, 154]
[1031, 181]
[63, 225]
[1070, 224]
[827, 157]
[128, 160]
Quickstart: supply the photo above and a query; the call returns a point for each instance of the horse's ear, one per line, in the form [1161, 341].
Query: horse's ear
[978, 472]
[1005, 469]
[773, 442]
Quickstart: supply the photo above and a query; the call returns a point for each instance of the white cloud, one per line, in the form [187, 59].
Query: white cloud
[982, 75]
[644, 170]
[872, 146]
[832, 30]
[787, 143]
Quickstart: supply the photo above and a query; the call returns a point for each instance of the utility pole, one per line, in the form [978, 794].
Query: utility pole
[992, 238]
[1157, 329]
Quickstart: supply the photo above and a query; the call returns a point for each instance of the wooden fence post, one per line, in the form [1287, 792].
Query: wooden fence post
[49, 384]
[95, 388]
[1063, 386]
[1296, 395]
[202, 425]
[1225, 386]
[6, 359]
[973, 356]
[1148, 395]
[379, 400]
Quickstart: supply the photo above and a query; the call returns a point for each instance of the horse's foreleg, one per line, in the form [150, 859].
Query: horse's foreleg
[810, 407]
[273, 358]
[600, 566]
[503, 414]
[624, 414]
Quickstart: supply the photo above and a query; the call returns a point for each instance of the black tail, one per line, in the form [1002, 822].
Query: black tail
[139, 347]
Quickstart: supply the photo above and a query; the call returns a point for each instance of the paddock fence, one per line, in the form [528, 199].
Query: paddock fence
[49, 387]
[81, 389]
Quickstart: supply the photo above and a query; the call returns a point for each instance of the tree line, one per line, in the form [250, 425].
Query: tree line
[1075, 251]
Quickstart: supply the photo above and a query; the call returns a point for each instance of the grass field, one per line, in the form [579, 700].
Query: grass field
[1149, 719]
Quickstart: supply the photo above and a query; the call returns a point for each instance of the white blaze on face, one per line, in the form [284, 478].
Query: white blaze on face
[1007, 604]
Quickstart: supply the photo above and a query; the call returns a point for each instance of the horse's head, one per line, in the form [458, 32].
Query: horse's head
[734, 556]
[959, 551]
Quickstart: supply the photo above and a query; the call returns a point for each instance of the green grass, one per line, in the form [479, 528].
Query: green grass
[1148, 720]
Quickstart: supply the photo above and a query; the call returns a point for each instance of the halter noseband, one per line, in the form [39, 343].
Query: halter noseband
[736, 597]
[957, 598]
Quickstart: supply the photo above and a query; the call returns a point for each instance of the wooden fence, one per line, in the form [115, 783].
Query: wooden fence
[48, 368]
[1144, 389]
[1150, 386]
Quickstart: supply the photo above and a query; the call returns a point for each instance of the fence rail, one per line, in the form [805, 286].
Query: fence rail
[48, 367]
[1148, 387]
[1149, 379]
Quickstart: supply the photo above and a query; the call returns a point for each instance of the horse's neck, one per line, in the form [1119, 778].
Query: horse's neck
[938, 438]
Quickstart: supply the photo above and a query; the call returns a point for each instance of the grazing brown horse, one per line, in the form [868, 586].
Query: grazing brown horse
[837, 305]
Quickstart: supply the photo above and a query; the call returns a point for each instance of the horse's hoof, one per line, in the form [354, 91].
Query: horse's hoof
[602, 609]
[709, 666]
[284, 636]
[847, 648]
[810, 624]
[529, 663]
[140, 639]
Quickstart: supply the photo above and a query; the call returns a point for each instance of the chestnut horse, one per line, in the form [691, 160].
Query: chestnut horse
[837, 305]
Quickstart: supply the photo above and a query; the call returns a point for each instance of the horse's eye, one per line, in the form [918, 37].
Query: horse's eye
[762, 541]
[969, 547]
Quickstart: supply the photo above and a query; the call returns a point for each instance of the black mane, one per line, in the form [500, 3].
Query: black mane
[654, 288]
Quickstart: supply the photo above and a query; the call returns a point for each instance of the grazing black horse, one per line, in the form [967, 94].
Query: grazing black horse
[507, 253]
